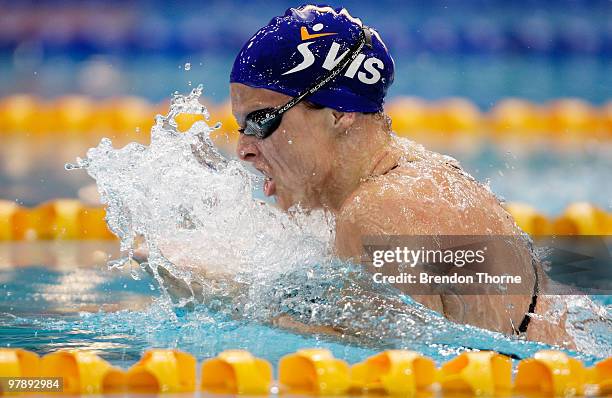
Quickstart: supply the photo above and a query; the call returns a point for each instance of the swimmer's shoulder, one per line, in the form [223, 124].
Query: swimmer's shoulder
[382, 207]
[422, 196]
[387, 205]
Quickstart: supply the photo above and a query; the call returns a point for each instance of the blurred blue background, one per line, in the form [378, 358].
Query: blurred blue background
[72, 72]
[480, 50]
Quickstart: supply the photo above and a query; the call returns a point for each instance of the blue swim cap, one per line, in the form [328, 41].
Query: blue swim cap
[290, 53]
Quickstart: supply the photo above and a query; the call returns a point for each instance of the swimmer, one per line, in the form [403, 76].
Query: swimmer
[307, 91]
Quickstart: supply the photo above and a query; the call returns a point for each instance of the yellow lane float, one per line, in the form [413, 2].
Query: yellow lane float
[21, 114]
[83, 372]
[571, 116]
[236, 372]
[477, 373]
[73, 114]
[128, 115]
[583, 218]
[550, 373]
[316, 372]
[601, 375]
[71, 219]
[313, 371]
[409, 115]
[18, 363]
[455, 115]
[13, 221]
[168, 371]
[395, 372]
[227, 134]
[515, 116]
[93, 224]
[185, 121]
[529, 219]
[560, 119]
[59, 219]
[606, 119]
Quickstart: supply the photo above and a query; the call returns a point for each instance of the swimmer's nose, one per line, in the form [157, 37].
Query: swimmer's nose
[247, 148]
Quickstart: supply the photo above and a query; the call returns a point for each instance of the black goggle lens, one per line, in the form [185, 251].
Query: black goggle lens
[258, 124]
[263, 122]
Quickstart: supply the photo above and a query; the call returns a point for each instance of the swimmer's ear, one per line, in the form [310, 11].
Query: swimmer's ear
[342, 121]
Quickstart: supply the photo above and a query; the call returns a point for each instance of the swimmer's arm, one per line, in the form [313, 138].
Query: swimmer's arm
[179, 289]
[203, 285]
[289, 323]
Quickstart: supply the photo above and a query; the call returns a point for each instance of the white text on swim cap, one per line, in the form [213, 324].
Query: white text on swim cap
[372, 65]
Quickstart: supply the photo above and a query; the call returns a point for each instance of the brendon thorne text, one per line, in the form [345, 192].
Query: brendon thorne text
[491, 264]
[454, 279]
[451, 264]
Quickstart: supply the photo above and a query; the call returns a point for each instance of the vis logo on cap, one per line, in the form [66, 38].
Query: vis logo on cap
[372, 66]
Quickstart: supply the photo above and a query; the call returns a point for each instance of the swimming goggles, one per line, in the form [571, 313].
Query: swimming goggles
[262, 123]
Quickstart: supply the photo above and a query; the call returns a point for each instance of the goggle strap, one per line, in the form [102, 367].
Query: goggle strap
[365, 38]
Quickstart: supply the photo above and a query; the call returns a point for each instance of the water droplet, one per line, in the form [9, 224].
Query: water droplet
[119, 263]
[135, 275]
[290, 142]
[188, 66]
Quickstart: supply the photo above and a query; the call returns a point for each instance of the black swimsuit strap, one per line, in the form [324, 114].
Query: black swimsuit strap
[534, 300]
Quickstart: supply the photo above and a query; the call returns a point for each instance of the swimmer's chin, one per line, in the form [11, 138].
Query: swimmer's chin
[269, 187]
[283, 202]
[286, 199]
[285, 205]
[270, 191]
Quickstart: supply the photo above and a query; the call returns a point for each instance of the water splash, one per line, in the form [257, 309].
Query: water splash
[193, 207]
[209, 241]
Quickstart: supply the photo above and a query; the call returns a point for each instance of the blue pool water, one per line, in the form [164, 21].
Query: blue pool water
[53, 295]
[196, 211]
[87, 306]
[43, 310]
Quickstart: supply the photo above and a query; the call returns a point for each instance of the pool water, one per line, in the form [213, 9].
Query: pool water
[194, 210]
[89, 307]
[60, 303]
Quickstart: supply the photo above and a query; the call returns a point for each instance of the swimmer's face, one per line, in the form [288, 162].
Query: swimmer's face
[298, 157]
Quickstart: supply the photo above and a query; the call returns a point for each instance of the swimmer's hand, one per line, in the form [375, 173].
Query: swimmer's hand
[176, 287]
[194, 292]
